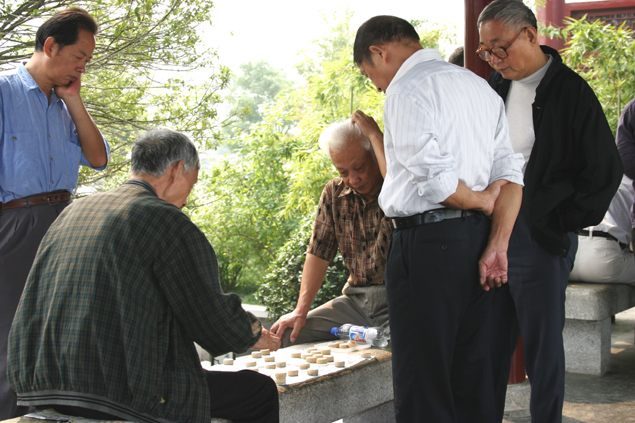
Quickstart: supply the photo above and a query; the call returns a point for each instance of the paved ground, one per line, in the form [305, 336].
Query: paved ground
[609, 398]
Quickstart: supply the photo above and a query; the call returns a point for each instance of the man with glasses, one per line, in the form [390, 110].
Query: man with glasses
[45, 134]
[572, 169]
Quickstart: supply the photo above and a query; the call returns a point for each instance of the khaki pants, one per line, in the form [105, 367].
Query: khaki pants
[364, 306]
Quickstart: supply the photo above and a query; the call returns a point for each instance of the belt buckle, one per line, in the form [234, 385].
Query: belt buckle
[433, 216]
[48, 200]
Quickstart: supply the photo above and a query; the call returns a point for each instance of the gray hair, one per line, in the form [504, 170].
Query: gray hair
[512, 13]
[337, 136]
[158, 149]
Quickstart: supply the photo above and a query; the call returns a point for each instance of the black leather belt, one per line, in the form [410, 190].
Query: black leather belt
[431, 216]
[601, 234]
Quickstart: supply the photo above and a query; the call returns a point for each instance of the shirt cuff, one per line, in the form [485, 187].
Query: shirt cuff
[256, 326]
[510, 169]
[439, 188]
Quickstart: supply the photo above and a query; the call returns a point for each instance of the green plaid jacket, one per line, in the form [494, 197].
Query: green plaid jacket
[122, 285]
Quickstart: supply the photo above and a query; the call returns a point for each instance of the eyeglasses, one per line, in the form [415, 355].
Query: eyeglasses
[500, 52]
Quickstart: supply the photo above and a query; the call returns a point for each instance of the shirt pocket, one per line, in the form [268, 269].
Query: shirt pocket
[19, 156]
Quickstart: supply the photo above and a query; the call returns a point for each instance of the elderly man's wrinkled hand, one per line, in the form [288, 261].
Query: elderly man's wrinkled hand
[366, 124]
[267, 341]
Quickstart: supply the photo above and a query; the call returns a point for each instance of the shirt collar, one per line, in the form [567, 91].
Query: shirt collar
[30, 83]
[344, 190]
[142, 183]
[419, 56]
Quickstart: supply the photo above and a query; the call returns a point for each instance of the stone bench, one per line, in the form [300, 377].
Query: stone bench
[587, 329]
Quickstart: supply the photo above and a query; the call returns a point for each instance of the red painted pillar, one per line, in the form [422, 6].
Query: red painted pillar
[552, 13]
[517, 372]
[473, 8]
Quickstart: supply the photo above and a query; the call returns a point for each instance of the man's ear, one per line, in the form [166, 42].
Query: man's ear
[532, 35]
[381, 51]
[49, 46]
[174, 171]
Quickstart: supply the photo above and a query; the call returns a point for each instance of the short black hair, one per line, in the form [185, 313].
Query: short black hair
[64, 27]
[381, 30]
[457, 57]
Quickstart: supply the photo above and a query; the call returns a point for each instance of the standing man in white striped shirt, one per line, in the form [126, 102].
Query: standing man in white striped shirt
[448, 165]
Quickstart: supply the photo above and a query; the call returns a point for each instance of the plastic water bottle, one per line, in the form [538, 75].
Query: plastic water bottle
[375, 335]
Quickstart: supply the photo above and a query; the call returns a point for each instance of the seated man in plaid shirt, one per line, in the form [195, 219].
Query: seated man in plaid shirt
[122, 286]
[348, 218]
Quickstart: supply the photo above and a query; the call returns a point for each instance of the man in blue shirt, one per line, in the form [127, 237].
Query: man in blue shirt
[45, 134]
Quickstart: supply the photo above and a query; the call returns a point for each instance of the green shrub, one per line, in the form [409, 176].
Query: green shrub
[280, 289]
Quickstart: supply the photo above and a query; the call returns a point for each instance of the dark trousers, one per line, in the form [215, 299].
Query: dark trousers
[21, 231]
[532, 304]
[242, 397]
[437, 315]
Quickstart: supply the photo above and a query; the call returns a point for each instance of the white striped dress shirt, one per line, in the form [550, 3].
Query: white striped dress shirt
[443, 124]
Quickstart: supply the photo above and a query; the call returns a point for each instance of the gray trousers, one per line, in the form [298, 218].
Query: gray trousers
[364, 306]
[21, 231]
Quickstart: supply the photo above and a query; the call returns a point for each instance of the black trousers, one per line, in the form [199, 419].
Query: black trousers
[242, 397]
[437, 315]
[21, 231]
[532, 304]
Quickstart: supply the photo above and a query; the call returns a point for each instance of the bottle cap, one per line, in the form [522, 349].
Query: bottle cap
[371, 333]
[335, 331]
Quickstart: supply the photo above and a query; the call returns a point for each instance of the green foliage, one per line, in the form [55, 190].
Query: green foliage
[604, 56]
[237, 204]
[335, 89]
[250, 216]
[250, 92]
[142, 70]
[281, 286]
[431, 35]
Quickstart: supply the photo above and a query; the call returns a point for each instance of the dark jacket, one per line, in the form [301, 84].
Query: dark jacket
[574, 168]
[122, 286]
